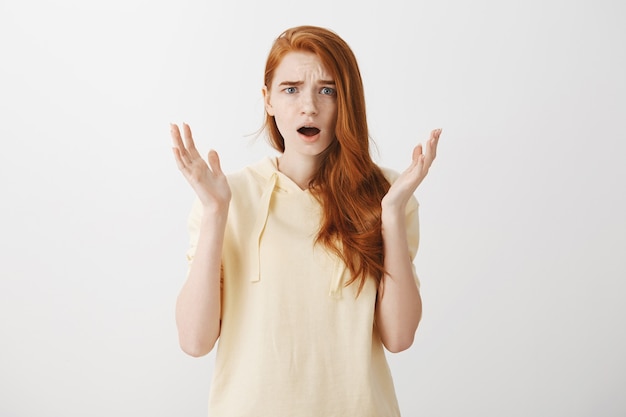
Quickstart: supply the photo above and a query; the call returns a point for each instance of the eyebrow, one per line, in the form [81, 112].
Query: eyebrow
[295, 83]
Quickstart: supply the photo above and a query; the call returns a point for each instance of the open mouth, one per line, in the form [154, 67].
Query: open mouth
[308, 131]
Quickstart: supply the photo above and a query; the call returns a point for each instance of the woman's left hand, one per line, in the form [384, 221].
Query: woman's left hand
[403, 188]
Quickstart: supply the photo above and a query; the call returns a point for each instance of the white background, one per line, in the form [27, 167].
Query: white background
[522, 258]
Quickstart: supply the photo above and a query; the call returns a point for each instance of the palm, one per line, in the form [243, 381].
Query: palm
[207, 180]
[406, 184]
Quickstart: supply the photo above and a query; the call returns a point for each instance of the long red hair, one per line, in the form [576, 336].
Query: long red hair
[348, 184]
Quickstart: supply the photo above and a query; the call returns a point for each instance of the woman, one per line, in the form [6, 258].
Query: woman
[302, 265]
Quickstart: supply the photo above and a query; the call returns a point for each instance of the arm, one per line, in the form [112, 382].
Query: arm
[198, 307]
[399, 304]
[399, 308]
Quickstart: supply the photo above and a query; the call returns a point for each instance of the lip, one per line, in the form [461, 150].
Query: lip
[309, 124]
[309, 138]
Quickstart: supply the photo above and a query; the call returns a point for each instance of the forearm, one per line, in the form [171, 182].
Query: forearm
[399, 305]
[198, 307]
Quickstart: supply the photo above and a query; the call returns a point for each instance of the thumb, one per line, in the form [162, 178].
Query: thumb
[417, 151]
[214, 162]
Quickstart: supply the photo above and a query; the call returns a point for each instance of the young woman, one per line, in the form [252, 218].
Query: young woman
[302, 265]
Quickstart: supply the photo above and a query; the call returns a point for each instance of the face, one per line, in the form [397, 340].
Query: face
[303, 101]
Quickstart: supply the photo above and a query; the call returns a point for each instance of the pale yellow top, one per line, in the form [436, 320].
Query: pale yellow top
[294, 340]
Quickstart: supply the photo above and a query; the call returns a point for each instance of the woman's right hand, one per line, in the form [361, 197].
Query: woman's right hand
[208, 181]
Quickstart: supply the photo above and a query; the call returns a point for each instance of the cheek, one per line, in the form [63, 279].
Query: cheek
[333, 122]
[282, 113]
[278, 108]
[332, 112]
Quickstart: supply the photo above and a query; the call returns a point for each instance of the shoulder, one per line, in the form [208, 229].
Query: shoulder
[391, 175]
[252, 178]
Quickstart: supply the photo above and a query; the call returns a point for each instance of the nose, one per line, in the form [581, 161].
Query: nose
[308, 106]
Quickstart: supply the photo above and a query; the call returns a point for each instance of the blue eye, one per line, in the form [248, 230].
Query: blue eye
[290, 90]
[328, 91]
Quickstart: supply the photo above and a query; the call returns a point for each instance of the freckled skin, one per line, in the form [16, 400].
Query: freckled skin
[302, 94]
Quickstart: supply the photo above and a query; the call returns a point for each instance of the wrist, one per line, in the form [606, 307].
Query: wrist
[214, 214]
[392, 217]
[392, 208]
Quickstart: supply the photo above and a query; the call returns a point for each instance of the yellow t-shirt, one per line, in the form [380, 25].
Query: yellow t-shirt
[294, 340]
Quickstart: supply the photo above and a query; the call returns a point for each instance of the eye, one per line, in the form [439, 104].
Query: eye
[290, 90]
[327, 91]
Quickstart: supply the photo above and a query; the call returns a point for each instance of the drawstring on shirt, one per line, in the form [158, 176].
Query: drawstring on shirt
[339, 269]
[336, 283]
[259, 227]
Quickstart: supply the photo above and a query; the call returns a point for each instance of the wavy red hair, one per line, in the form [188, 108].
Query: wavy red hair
[348, 184]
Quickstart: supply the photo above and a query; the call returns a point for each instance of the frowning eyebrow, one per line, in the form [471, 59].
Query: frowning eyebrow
[296, 83]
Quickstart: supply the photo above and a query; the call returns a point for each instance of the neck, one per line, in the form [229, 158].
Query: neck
[299, 171]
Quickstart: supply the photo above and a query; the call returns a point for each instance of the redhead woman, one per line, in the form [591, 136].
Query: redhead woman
[301, 266]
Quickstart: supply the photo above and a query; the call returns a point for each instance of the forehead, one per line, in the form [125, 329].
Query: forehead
[300, 66]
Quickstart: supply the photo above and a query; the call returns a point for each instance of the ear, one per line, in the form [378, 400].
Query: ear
[266, 100]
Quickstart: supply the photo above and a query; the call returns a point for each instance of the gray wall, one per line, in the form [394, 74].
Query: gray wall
[523, 230]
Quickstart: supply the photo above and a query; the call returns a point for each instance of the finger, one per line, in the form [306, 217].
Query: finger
[175, 134]
[214, 162]
[179, 160]
[419, 161]
[431, 145]
[189, 143]
[417, 151]
[420, 167]
[183, 155]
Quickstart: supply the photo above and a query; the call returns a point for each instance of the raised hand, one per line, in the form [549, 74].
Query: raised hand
[207, 180]
[403, 188]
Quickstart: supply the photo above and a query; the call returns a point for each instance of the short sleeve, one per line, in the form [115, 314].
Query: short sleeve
[413, 232]
[193, 228]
